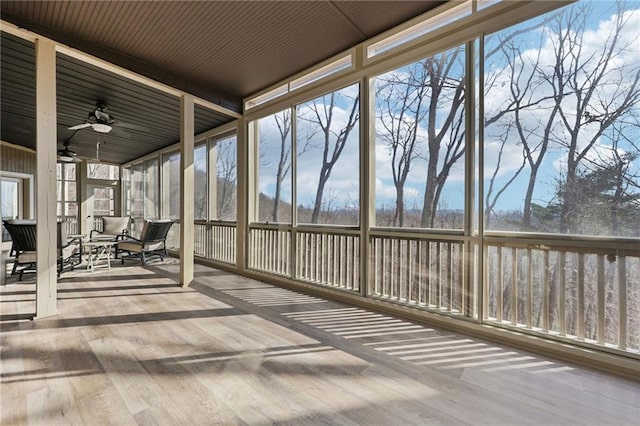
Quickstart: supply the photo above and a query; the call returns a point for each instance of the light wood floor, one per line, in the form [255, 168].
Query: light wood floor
[130, 347]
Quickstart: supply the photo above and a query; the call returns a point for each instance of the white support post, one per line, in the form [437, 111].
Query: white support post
[46, 141]
[186, 189]
[367, 179]
[212, 173]
[85, 222]
[246, 188]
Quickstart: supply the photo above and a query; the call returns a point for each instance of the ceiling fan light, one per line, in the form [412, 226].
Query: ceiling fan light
[65, 158]
[101, 127]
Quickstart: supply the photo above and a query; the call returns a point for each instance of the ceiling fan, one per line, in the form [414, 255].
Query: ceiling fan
[99, 120]
[66, 155]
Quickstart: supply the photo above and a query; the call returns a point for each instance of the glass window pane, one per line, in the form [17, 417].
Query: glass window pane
[69, 171]
[103, 171]
[137, 191]
[71, 209]
[420, 135]
[173, 186]
[328, 158]
[70, 191]
[10, 199]
[274, 167]
[226, 172]
[151, 189]
[200, 182]
[564, 163]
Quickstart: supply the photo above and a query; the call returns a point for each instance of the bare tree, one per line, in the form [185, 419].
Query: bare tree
[555, 106]
[400, 113]
[226, 177]
[283, 122]
[524, 97]
[333, 141]
[445, 126]
[602, 92]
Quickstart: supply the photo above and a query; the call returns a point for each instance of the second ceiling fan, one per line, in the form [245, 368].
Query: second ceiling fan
[99, 120]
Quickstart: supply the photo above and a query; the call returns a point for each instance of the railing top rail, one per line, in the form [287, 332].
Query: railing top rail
[329, 229]
[575, 243]
[318, 229]
[272, 226]
[230, 223]
[420, 234]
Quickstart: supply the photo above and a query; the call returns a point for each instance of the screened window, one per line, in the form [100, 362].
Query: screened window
[328, 158]
[200, 182]
[171, 186]
[225, 150]
[103, 171]
[151, 189]
[274, 168]
[67, 204]
[561, 122]
[419, 150]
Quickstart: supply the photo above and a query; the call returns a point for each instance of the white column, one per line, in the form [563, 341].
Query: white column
[367, 178]
[212, 173]
[186, 189]
[245, 209]
[46, 142]
[86, 223]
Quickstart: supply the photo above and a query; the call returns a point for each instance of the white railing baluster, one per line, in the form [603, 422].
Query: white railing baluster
[448, 278]
[499, 286]
[622, 302]
[545, 292]
[581, 313]
[601, 298]
[562, 277]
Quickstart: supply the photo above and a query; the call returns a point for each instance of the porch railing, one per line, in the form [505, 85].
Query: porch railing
[585, 289]
[324, 255]
[215, 240]
[420, 270]
[270, 248]
[329, 257]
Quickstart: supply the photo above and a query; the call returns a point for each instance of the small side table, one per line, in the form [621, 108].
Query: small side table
[98, 254]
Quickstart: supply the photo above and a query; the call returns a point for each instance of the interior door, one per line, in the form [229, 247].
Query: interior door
[101, 202]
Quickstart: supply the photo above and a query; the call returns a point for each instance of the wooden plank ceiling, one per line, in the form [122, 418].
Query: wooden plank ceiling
[222, 51]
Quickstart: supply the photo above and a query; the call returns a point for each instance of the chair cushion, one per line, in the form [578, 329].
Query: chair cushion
[131, 246]
[136, 247]
[104, 237]
[114, 225]
[26, 257]
[69, 251]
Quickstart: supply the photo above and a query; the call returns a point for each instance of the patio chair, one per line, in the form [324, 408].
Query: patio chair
[152, 242]
[69, 249]
[114, 228]
[23, 236]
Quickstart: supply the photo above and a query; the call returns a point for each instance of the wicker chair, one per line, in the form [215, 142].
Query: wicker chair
[152, 242]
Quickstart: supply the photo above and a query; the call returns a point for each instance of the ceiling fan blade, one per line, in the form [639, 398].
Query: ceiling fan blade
[80, 126]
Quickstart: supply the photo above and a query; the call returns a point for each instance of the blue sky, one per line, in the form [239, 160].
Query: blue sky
[344, 186]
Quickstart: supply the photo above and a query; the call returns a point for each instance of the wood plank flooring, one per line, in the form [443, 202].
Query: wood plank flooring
[131, 347]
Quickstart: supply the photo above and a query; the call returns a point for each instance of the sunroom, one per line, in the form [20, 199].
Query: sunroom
[474, 168]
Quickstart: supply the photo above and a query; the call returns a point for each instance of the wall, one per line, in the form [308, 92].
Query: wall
[17, 159]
